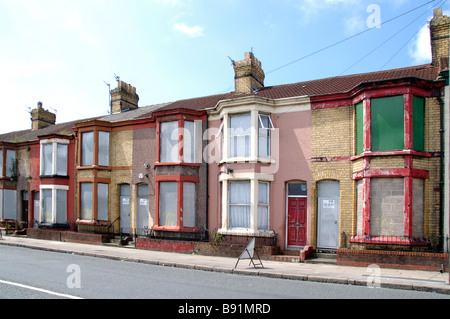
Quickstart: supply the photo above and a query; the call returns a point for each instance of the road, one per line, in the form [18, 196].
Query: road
[36, 274]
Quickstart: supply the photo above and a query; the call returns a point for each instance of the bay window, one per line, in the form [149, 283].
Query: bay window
[176, 202]
[246, 204]
[91, 193]
[53, 204]
[388, 126]
[239, 204]
[8, 204]
[168, 209]
[179, 141]
[247, 136]
[95, 148]
[240, 134]
[7, 164]
[54, 154]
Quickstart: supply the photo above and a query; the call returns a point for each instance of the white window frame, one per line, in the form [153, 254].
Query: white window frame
[54, 189]
[54, 143]
[256, 122]
[254, 179]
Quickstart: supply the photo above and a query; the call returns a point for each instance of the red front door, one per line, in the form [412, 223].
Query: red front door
[296, 221]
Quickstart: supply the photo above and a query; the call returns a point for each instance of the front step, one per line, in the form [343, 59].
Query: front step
[287, 256]
[323, 258]
[125, 241]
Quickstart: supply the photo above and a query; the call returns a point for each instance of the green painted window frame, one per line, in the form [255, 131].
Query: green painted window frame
[359, 127]
[387, 123]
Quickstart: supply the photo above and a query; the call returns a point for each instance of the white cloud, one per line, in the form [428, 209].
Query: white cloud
[420, 49]
[195, 31]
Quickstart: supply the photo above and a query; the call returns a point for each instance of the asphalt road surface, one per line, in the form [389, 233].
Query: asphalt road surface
[36, 274]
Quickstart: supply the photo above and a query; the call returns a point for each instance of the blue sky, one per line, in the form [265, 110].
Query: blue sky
[62, 52]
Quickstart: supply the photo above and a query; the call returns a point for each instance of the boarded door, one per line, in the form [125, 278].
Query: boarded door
[142, 218]
[328, 215]
[125, 208]
[296, 221]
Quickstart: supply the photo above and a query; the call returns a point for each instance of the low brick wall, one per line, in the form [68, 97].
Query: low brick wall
[165, 245]
[393, 259]
[202, 248]
[67, 236]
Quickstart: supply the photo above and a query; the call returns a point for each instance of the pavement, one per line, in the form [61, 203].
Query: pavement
[374, 277]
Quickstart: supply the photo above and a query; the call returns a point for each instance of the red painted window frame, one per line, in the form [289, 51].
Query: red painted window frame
[179, 179]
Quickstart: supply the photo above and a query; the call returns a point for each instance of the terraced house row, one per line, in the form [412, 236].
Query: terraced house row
[352, 164]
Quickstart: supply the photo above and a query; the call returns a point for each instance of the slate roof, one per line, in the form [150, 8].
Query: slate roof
[338, 84]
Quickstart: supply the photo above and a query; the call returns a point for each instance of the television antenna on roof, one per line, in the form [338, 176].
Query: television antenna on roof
[109, 96]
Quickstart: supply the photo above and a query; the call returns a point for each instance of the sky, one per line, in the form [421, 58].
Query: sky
[64, 53]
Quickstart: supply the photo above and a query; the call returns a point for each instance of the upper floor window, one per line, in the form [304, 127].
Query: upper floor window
[248, 135]
[95, 148]
[179, 141]
[7, 163]
[389, 128]
[54, 154]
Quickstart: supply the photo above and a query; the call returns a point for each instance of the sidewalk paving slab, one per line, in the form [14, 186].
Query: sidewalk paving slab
[348, 275]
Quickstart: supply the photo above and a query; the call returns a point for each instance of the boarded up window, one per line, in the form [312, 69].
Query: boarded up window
[387, 206]
[102, 201]
[387, 118]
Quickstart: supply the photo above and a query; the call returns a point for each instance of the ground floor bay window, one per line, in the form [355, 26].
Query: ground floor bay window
[245, 206]
[94, 201]
[53, 205]
[8, 204]
[390, 209]
[176, 200]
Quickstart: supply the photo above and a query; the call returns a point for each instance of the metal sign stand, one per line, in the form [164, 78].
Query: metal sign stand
[248, 253]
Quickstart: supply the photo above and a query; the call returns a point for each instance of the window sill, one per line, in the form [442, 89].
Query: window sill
[389, 153]
[93, 222]
[262, 160]
[94, 167]
[54, 176]
[176, 229]
[246, 232]
[176, 164]
[388, 240]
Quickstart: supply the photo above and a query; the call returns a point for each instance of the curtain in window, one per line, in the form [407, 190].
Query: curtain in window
[189, 200]
[239, 205]
[263, 206]
[169, 142]
[168, 204]
[240, 132]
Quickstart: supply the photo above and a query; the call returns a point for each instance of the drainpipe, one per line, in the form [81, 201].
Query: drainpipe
[441, 177]
[207, 184]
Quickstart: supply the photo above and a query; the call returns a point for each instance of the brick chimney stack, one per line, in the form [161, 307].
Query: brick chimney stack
[41, 118]
[248, 74]
[123, 98]
[439, 31]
